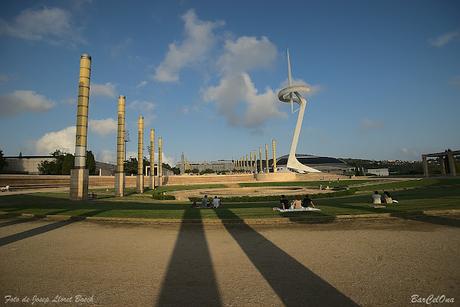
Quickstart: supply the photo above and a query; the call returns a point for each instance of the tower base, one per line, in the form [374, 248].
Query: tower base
[119, 184]
[79, 179]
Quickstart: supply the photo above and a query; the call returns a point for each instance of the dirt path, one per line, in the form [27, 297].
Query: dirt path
[370, 263]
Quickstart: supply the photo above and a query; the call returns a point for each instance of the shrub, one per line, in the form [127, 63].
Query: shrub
[162, 196]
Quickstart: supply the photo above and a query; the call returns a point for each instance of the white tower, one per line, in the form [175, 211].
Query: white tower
[291, 94]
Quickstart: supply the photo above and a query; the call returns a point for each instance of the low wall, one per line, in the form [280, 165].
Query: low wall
[49, 181]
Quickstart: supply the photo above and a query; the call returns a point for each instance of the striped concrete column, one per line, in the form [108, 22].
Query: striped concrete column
[140, 155]
[79, 176]
[152, 159]
[120, 172]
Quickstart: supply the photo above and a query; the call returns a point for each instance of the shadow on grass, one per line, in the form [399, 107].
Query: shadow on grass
[414, 215]
[190, 278]
[45, 228]
[294, 284]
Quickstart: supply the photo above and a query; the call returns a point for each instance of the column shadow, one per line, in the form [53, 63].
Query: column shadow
[295, 284]
[17, 221]
[45, 228]
[190, 279]
[408, 215]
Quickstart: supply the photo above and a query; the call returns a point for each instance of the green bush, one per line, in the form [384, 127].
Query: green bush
[162, 196]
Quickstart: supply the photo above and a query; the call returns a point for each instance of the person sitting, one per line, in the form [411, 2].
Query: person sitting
[376, 199]
[215, 202]
[386, 198]
[284, 202]
[204, 201]
[307, 202]
[297, 203]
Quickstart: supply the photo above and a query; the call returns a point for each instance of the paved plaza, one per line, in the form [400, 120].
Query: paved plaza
[370, 263]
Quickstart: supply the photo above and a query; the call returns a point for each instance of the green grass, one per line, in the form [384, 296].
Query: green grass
[414, 196]
[330, 183]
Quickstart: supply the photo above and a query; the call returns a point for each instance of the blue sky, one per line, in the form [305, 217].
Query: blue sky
[385, 75]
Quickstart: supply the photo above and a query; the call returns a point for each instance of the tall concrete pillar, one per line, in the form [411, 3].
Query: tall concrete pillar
[120, 172]
[442, 163]
[451, 161]
[152, 159]
[274, 155]
[79, 174]
[140, 155]
[266, 158]
[260, 160]
[160, 161]
[425, 166]
[246, 163]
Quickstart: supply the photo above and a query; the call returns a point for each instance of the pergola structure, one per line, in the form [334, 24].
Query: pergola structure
[446, 160]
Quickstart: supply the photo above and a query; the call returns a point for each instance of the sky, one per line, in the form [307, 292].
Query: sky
[384, 76]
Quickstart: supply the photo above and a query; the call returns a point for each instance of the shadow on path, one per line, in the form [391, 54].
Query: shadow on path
[293, 283]
[190, 279]
[17, 221]
[45, 228]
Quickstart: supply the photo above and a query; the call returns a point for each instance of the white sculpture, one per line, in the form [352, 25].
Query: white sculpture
[291, 94]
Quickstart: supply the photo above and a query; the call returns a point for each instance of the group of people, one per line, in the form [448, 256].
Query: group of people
[297, 203]
[207, 202]
[385, 198]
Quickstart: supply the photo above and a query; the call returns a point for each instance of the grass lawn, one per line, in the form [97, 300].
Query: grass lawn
[324, 183]
[413, 196]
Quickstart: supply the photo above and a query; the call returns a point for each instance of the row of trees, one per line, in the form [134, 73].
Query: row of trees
[64, 162]
[131, 166]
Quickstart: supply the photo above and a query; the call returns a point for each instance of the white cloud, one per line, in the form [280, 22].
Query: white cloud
[49, 24]
[236, 96]
[370, 124]
[23, 101]
[237, 90]
[107, 156]
[141, 84]
[107, 90]
[103, 126]
[145, 108]
[247, 53]
[199, 39]
[444, 39]
[63, 140]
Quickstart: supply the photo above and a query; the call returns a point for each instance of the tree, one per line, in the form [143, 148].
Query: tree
[3, 162]
[131, 166]
[90, 163]
[52, 167]
[67, 164]
[207, 171]
[64, 162]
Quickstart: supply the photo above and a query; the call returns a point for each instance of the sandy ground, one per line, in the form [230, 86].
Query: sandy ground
[370, 263]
